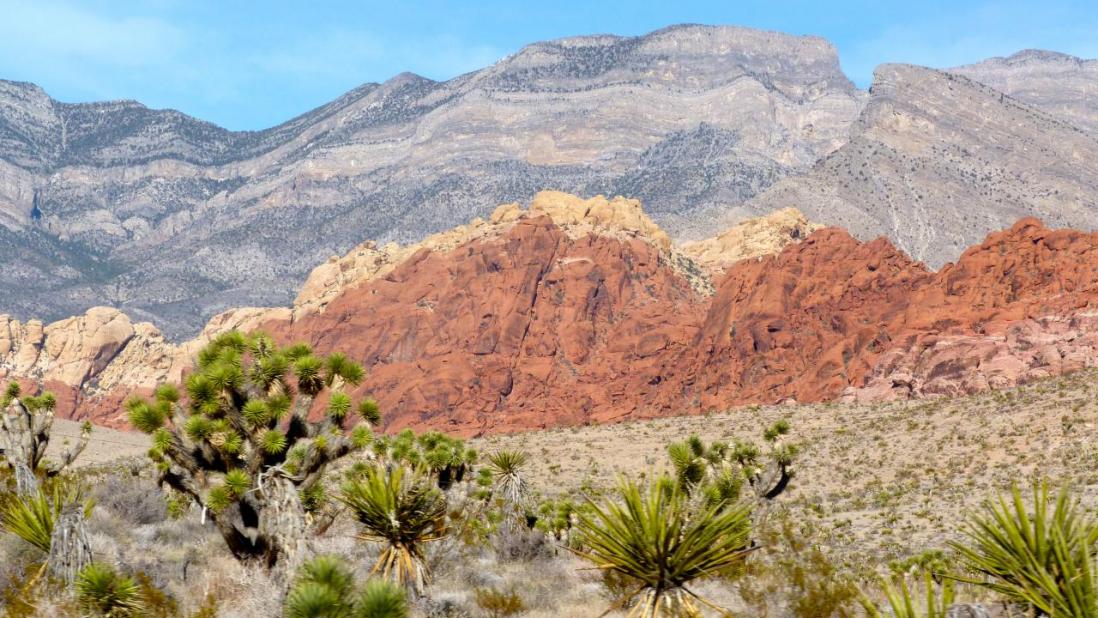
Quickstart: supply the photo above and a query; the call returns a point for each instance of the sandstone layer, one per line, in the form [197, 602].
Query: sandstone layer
[580, 311]
[751, 238]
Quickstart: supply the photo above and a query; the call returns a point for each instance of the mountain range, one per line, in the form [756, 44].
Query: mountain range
[172, 219]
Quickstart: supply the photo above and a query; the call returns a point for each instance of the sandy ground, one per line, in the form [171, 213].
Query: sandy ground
[106, 445]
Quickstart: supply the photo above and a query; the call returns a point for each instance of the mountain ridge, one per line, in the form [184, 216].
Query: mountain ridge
[174, 220]
[237, 223]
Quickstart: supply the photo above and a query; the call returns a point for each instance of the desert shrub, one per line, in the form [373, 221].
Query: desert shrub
[133, 500]
[155, 602]
[519, 543]
[499, 603]
[790, 574]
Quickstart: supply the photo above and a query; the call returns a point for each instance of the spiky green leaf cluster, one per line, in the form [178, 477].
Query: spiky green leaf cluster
[12, 391]
[231, 418]
[1031, 554]
[652, 536]
[325, 588]
[100, 591]
[508, 482]
[905, 602]
[31, 518]
[369, 411]
[403, 511]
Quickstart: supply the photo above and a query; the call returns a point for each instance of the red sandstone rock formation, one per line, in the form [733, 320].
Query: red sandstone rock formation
[536, 319]
[527, 330]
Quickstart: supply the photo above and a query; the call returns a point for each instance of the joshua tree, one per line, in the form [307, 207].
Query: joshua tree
[404, 512]
[241, 444]
[447, 458]
[654, 538]
[719, 471]
[25, 425]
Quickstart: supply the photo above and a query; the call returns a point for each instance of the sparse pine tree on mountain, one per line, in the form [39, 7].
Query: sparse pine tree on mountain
[240, 443]
[25, 426]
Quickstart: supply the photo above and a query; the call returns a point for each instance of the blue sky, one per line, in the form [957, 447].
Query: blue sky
[250, 65]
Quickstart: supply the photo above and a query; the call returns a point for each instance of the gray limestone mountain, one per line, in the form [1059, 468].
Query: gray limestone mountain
[937, 160]
[174, 219]
[1060, 84]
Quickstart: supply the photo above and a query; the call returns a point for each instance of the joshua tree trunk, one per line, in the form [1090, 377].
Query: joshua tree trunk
[26, 483]
[284, 524]
[70, 551]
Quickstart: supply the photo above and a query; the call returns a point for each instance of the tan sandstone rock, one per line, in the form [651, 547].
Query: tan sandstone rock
[754, 237]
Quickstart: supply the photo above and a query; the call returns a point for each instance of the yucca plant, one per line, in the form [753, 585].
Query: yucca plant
[51, 520]
[403, 511]
[1033, 556]
[381, 599]
[31, 518]
[508, 482]
[325, 588]
[651, 537]
[903, 602]
[100, 591]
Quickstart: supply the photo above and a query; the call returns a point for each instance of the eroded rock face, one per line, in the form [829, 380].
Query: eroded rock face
[528, 329]
[575, 311]
[936, 161]
[616, 217]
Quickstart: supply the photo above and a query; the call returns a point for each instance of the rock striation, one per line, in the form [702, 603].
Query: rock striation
[937, 160]
[174, 220]
[1060, 84]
